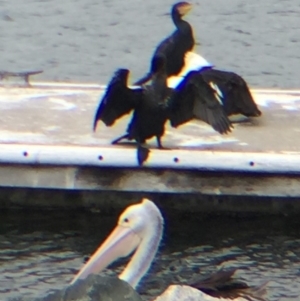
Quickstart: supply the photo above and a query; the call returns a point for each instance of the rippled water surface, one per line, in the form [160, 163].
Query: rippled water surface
[41, 251]
[86, 40]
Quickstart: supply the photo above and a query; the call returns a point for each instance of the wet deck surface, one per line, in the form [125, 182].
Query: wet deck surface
[64, 116]
[45, 126]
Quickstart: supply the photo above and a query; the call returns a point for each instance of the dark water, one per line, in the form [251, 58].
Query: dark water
[41, 251]
[86, 40]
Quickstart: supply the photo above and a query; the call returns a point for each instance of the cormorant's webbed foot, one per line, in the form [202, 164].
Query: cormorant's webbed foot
[159, 144]
[116, 141]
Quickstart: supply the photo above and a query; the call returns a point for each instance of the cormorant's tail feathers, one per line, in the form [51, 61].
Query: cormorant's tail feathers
[116, 141]
[142, 154]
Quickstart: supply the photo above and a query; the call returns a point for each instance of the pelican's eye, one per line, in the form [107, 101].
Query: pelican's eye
[126, 220]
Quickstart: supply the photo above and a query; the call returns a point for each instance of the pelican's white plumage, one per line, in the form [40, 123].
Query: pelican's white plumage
[187, 293]
[139, 229]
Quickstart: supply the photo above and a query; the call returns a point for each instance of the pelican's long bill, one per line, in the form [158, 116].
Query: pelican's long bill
[120, 243]
[139, 229]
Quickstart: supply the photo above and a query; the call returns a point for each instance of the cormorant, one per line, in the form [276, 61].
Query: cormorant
[235, 94]
[177, 44]
[154, 104]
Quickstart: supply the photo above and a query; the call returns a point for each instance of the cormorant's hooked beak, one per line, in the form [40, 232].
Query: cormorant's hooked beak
[120, 243]
[183, 8]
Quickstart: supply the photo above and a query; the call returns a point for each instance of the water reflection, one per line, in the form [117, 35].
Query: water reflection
[41, 251]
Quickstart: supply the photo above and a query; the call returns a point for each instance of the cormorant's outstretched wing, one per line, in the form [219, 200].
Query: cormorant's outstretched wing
[222, 285]
[194, 98]
[118, 99]
[237, 98]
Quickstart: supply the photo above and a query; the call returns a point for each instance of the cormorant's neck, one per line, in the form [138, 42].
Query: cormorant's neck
[179, 22]
[145, 253]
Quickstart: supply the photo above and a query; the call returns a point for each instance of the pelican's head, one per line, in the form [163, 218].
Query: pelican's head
[139, 219]
[139, 228]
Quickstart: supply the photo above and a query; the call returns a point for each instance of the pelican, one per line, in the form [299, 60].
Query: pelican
[139, 231]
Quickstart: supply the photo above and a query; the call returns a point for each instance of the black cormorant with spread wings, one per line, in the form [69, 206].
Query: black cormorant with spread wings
[154, 104]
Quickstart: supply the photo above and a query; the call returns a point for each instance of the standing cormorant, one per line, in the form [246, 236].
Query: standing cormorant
[235, 94]
[177, 44]
[154, 104]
